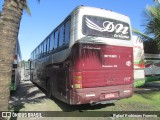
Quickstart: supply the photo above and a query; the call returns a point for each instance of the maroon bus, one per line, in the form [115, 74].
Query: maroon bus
[88, 58]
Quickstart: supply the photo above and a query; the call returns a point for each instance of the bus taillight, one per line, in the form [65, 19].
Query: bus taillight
[77, 81]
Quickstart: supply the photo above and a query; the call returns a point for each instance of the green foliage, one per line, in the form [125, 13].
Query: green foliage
[156, 1]
[152, 20]
[151, 47]
[151, 23]
[24, 3]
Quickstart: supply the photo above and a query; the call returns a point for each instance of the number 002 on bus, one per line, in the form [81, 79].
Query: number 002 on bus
[88, 58]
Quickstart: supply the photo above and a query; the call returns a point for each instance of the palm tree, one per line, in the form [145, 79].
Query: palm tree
[151, 25]
[152, 20]
[156, 1]
[9, 28]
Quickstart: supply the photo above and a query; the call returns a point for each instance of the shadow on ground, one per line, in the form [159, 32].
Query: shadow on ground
[149, 89]
[80, 108]
[31, 94]
[26, 93]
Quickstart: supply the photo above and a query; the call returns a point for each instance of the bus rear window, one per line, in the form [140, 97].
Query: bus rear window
[105, 27]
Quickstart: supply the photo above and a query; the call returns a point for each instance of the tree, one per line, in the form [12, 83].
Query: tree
[9, 27]
[156, 1]
[151, 23]
[152, 18]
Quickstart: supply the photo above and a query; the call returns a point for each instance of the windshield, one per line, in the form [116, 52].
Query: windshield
[105, 27]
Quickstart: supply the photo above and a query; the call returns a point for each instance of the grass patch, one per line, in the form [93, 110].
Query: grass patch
[140, 102]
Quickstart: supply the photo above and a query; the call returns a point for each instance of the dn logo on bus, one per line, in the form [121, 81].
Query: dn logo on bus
[105, 27]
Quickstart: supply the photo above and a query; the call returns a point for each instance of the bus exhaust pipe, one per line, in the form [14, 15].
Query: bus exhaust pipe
[93, 103]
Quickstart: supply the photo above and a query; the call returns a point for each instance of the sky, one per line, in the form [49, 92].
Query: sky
[47, 14]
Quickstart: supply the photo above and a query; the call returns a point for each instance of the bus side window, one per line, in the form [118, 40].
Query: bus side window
[32, 65]
[56, 40]
[48, 44]
[34, 54]
[67, 32]
[43, 48]
[31, 56]
[39, 48]
[61, 36]
[52, 42]
[37, 52]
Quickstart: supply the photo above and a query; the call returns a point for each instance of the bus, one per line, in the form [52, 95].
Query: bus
[86, 59]
[16, 68]
[152, 67]
[25, 70]
[139, 62]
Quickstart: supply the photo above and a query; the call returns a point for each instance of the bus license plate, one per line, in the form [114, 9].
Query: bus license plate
[110, 95]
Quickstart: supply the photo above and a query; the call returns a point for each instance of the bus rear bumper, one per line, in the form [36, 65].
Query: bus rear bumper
[101, 95]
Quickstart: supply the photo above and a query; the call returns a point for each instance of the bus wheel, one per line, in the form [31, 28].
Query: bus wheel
[49, 91]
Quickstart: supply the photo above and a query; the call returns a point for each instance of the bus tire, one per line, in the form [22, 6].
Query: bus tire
[49, 91]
